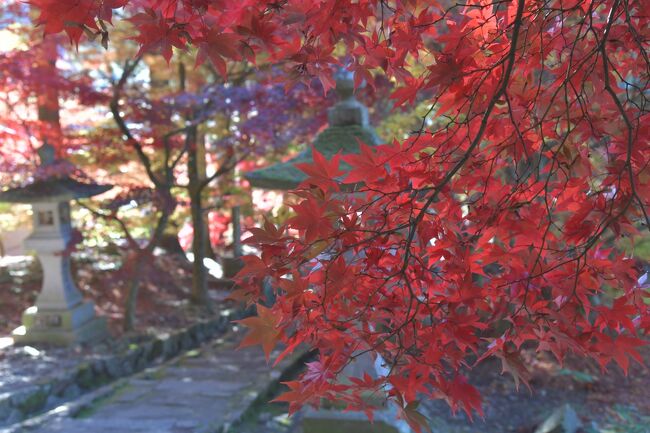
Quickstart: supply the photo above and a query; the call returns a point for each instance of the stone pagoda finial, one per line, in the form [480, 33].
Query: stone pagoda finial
[344, 84]
[348, 125]
[348, 111]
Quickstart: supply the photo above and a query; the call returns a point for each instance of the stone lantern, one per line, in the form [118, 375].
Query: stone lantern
[348, 123]
[60, 315]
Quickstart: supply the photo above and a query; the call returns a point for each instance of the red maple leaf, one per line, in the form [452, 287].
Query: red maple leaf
[311, 217]
[263, 330]
[366, 166]
[219, 47]
[322, 172]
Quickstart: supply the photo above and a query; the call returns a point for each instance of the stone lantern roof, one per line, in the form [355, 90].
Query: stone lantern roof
[348, 123]
[49, 186]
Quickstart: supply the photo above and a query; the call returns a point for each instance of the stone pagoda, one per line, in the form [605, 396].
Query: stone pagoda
[348, 123]
[60, 315]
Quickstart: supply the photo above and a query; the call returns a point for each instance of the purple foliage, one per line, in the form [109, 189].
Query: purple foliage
[263, 117]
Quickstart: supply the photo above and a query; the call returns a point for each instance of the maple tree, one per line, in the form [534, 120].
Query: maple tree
[492, 228]
[32, 92]
[129, 121]
[211, 128]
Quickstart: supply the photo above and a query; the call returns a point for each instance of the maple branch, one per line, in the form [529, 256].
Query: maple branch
[479, 135]
[182, 152]
[458, 165]
[128, 69]
[228, 165]
[522, 177]
[112, 216]
[621, 109]
[159, 229]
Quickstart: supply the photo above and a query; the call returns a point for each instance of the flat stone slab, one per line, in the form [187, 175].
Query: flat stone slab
[205, 390]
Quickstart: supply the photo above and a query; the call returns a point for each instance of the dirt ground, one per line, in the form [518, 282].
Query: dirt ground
[605, 402]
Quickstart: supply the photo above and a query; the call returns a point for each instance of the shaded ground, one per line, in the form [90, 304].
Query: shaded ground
[605, 403]
[601, 400]
[162, 301]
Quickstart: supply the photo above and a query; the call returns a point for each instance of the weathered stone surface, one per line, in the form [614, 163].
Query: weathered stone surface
[156, 350]
[33, 402]
[5, 276]
[5, 407]
[209, 388]
[15, 416]
[71, 391]
[69, 326]
[18, 398]
[167, 347]
[85, 376]
[99, 367]
[58, 383]
[562, 420]
[344, 422]
[53, 401]
[186, 342]
[59, 386]
[192, 394]
[114, 366]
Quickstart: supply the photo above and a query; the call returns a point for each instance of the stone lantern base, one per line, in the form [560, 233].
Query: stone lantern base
[329, 418]
[329, 421]
[61, 327]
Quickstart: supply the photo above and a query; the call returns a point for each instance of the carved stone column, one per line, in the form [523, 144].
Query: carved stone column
[59, 316]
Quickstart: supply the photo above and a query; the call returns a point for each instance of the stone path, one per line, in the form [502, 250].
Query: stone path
[33, 381]
[205, 390]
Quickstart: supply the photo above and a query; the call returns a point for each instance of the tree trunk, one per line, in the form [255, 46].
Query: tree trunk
[200, 239]
[169, 241]
[130, 306]
[48, 99]
[199, 250]
[144, 259]
[237, 250]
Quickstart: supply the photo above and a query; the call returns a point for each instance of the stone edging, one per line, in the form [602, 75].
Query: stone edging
[88, 376]
[292, 365]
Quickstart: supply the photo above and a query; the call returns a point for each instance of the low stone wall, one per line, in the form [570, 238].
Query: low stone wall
[26, 402]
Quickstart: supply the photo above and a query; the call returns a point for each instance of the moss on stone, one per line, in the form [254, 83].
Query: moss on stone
[85, 378]
[93, 375]
[88, 410]
[157, 374]
[34, 402]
